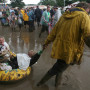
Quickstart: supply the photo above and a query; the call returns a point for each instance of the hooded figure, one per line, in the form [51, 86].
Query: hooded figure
[68, 37]
[56, 16]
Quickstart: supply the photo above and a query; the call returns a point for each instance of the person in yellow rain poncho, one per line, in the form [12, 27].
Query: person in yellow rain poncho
[25, 18]
[68, 40]
[22, 11]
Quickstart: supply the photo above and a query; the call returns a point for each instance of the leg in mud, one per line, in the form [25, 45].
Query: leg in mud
[58, 68]
[42, 30]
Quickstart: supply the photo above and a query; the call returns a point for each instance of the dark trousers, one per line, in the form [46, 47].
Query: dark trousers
[57, 70]
[58, 67]
[44, 28]
[13, 63]
[38, 20]
[20, 26]
[31, 25]
[25, 23]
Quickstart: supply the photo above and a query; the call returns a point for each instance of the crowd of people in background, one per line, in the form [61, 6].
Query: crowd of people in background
[26, 17]
[47, 18]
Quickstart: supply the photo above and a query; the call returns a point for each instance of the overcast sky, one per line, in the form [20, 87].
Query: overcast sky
[28, 1]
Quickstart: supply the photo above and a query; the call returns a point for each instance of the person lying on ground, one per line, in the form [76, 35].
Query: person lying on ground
[23, 61]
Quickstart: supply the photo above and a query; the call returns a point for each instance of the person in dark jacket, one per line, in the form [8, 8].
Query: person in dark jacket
[16, 12]
[38, 14]
[52, 12]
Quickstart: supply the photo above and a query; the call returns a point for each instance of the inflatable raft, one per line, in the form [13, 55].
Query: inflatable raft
[14, 75]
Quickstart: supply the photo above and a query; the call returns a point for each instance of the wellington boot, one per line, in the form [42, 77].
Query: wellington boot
[44, 79]
[58, 79]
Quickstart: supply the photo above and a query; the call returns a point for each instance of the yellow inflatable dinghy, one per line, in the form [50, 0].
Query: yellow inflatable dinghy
[13, 75]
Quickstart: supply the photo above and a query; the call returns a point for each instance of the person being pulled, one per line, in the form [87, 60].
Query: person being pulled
[23, 61]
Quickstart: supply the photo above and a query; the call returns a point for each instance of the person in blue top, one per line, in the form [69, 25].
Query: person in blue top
[45, 20]
[30, 13]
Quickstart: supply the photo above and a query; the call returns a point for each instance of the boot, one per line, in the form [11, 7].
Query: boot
[44, 79]
[58, 79]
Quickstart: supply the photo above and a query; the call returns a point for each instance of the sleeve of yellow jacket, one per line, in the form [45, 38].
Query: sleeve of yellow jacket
[85, 25]
[51, 37]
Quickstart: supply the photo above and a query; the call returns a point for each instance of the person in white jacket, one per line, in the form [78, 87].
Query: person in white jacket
[56, 16]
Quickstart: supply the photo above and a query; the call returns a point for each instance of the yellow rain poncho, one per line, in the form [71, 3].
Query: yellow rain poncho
[68, 36]
[22, 11]
[25, 17]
